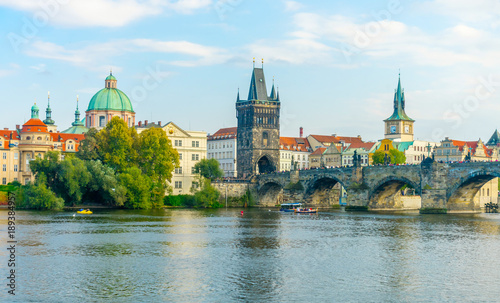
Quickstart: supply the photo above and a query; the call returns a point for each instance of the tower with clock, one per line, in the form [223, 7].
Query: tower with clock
[399, 126]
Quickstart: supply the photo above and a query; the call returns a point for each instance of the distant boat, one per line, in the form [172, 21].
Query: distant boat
[84, 211]
[290, 207]
[306, 210]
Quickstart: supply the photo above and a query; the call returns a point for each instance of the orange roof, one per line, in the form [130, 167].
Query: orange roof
[336, 139]
[34, 125]
[364, 145]
[298, 144]
[9, 134]
[62, 137]
[224, 133]
[319, 151]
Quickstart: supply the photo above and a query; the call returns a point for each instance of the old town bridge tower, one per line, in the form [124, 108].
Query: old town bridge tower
[258, 128]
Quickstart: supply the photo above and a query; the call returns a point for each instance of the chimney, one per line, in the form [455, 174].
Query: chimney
[334, 135]
[140, 123]
[159, 123]
[5, 128]
[18, 126]
[301, 132]
[359, 136]
[145, 122]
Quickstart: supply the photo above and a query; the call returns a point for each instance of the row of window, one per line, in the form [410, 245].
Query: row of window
[227, 166]
[4, 156]
[221, 155]
[178, 185]
[193, 143]
[178, 170]
[4, 167]
[220, 145]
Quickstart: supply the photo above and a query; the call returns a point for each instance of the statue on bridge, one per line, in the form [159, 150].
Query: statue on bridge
[387, 159]
[356, 159]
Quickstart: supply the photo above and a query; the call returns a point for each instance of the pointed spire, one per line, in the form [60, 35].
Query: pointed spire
[238, 96]
[273, 92]
[399, 103]
[77, 115]
[277, 93]
[48, 112]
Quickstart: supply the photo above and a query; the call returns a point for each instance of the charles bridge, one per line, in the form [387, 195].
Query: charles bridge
[450, 186]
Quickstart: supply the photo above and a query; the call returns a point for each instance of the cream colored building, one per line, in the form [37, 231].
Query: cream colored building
[294, 153]
[222, 147]
[191, 146]
[415, 151]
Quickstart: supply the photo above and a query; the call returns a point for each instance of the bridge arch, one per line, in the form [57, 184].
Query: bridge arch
[460, 196]
[270, 193]
[387, 192]
[321, 191]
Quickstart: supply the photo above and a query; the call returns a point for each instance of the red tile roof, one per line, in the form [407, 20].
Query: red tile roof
[319, 151]
[34, 126]
[364, 145]
[224, 133]
[292, 143]
[336, 139]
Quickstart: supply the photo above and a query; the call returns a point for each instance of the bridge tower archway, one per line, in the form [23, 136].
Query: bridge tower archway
[388, 192]
[265, 165]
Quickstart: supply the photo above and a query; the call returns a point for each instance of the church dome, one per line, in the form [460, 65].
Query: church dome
[110, 98]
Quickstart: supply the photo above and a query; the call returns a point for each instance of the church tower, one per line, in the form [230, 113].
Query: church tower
[51, 124]
[399, 126]
[258, 133]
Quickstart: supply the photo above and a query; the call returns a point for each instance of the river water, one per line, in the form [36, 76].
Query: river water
[260, 256]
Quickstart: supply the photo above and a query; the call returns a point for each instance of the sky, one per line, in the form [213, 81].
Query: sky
[336, 63]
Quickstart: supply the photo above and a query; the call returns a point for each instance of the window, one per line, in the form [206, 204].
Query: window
[193, 170]
[4, 181]
[4, 167]
[488, 192]
[15, 179]
[15, 167]
[27, 181]
[180, 156]
[178, 184]
[265, 138]
[15, 156]
[102, 121]
[178, 170]
[4, 156]
[195, 157]
[178, 142]
[195, 143]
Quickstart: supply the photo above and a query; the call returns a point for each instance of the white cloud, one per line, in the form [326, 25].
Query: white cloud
[292, 6]
[105, 13]
[477, 11]
[98, 55]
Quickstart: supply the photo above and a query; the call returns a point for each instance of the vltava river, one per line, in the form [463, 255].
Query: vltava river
[262, 256]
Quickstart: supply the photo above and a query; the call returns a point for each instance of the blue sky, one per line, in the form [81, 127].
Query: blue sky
[336, 63]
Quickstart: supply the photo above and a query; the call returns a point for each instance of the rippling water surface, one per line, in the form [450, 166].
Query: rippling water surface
[262, 256]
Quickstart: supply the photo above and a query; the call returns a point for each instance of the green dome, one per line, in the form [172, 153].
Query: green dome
[34, 107]
[110, 99]
[110, 77]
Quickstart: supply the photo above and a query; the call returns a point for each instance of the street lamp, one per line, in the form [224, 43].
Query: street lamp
[428, 149]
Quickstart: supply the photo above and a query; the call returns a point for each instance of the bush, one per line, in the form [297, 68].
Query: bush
[39, 197]
[180, 200]
[431, 210]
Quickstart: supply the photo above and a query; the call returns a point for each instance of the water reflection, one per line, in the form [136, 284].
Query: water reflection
[221, 256]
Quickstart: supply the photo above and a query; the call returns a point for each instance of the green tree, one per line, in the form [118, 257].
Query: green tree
[89, 148]
[156, 156]
[38, 196]
[378, 157]
[73, 178]
[208, 196]
[104, 186]
[209, 169]
[48, 166]
[397, 157]
[116, 145]
[138, 187]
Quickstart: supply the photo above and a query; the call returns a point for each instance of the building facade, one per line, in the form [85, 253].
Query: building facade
[191, 146]
[399, 126]
[33, 140]
[108, 103]
[258, 130]
[294, 153]
[222, 146]
[456, 151]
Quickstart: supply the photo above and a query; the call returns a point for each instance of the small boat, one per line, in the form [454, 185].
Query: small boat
[306, 210]
[290, 207]
[84, 211]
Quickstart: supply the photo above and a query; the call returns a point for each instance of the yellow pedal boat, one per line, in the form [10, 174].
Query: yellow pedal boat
[84, 211]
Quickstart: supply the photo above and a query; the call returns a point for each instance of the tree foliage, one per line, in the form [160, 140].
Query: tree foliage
[38, 196]
[395, 157]
[378, 157]
[208, 196]
[89, 147]
[104, 185]
[115, 144]
[209, 169]
[138, 187]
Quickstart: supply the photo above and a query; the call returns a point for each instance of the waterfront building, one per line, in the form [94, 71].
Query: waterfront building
[316, 158]
[258, 131]
[294, 153]
[365, 150]
[18, 147]
[494, 144]
[416, 151]
[222, 146]
[108, 103]
[456, 151]
[191, 146]
[399, 126]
